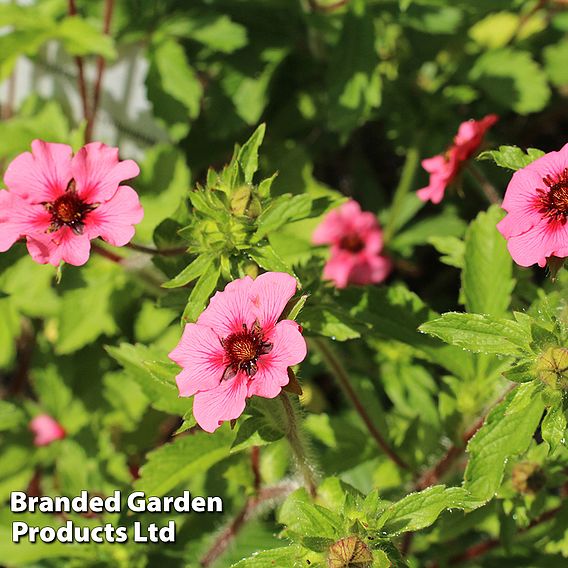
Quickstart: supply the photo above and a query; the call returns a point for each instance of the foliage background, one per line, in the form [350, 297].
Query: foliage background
[354, 94]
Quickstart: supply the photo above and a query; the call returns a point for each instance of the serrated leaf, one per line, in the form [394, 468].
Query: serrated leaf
[292, 556]
[266, 257]
[513, 79]
[487, 276]
[184, 457]
[11, 417]
[505, 433]
[177, 76]
[248, 154]
[79, 37]
[201, 292]
[511, 157]
[554, 426]
[480, 334]
[419, 510]
[555, 57]
[192, 271]
[353, 78]
[139, 361]
[301, 516]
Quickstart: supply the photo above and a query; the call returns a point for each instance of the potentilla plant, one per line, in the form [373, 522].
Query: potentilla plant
[232, 378]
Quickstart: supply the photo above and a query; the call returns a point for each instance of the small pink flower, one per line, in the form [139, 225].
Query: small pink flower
[536, 201]
[59, 202]
[238, 348]
[46, 430]
[356, 243]
[444, 168]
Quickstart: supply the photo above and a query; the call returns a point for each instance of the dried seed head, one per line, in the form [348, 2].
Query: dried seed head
[552, 368]
[528, 478]
[350, 552]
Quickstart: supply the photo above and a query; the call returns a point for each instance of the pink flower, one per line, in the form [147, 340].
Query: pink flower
[356, 243]
[46, 430]
[238, 348]
[59, 202]
[444, 168]
[536, 200]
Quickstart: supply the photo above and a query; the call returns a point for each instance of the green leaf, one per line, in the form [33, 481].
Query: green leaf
[451, 248]
[178, 461]
[79, 37]
[307, 519]
[487, 276]
[93, 299]
[202, 291]
[178, 77]
[554, 426]
[555, 57]
[11, 417]
[292, 556]
[331, 320]
[495, 30]
[513, 79]
[216, 32]
[157, 382]
[9, 331]
[248, 154]
[419, 510]
[266, 257]
[192, 271]
[511, 157]
[354, 83]
[507, 432]
[480, 334]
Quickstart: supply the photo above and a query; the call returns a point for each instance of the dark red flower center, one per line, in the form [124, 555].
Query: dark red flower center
[242, 350]
[69, 210]
[352, 243]
[552, 202]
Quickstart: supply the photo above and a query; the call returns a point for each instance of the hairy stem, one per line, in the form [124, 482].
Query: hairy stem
[109, 6]
[255, 466]
[484, 184]
[339, 372]
[297, 443]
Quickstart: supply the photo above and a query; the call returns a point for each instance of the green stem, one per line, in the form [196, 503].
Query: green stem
[484, 184]
[295, 439]
[338, 371]
[403, 187]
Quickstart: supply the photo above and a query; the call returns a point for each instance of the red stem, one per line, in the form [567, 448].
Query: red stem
[109, 6]
[251, 506]
[482, 548]
[164, 252]
[81, 70]
[255, 465]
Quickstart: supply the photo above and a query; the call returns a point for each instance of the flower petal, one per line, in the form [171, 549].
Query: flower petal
[63, 245]
[113, 220]
[98, 172]
[338, 268]
[542, 241]
[269, 295]
[19, 218]
[42, 174]
[225, 402]
[230, 309]
[201, 355]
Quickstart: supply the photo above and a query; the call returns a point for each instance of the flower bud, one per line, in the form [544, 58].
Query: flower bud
[350, 552]
[528, 478]
[552, 368]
